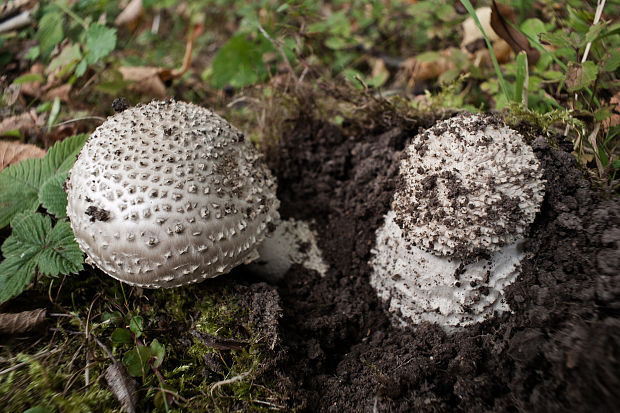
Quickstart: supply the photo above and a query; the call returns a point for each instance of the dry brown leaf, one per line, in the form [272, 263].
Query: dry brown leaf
[13, 152]
[130, 13]
[60, 92]
[145, 80]
[500, 17]
[150, 80]
[33, 88]
[415, 70]
[23, 121]
[25, 321]
[473, 42]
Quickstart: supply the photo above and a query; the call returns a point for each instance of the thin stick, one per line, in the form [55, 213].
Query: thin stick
[279, 49]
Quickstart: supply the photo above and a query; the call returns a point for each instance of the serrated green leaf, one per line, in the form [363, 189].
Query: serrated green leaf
[613, 61]
[34, 243]
[136, 360]
[52, 195]
[61, 156]
[19, 188]
[239, 62]
[158, 351]
[100, 41]
[61, 254]
[20, 184]
[50, 31]
[580, 75]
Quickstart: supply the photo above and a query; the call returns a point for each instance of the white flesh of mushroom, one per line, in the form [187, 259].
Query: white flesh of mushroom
[292, 242]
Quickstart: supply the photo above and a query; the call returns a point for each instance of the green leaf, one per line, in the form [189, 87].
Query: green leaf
[38, 409]
[50, 31]
[121, 336]
[30, 77]
[158, 351]
[100, 41]
[136, 325]
[35, 244]
[239, 62]
[33, 53]
[19, 188]
[53, 112]
[52, 195]
[580, 75]
[613, 61]
[61, 156]
[521, 80]
[66, 60]
[22, 184]
[136, 360]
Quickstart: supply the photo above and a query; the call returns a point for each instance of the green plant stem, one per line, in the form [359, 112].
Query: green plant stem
[63, 7]
[498, 71]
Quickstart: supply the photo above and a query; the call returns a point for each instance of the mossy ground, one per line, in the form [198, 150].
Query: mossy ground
[213, 359]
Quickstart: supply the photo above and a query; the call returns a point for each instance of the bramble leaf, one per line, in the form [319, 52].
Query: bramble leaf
[19, 188]
[33, 244]
[27, 184]
[53, 196]
[239, 62]
[100, 41]
[50, 31]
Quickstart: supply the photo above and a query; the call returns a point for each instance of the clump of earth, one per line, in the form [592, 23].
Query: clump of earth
[557, 349]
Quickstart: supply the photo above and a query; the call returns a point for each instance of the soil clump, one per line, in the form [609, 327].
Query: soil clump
[559, 349]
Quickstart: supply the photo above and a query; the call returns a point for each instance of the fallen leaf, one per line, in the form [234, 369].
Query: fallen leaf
[146, 79]
[21, 122]
[61, 92]
[150, 80]
[23, 322]
[473, 42]
[33, 88]
[501, 15]
[416, 70]
[13, 152]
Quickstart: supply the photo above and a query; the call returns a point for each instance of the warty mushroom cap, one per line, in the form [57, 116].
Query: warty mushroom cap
[469, 185]
[469, 189]
[167, 194]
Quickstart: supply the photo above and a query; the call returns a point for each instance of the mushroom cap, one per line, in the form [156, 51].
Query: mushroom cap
[469, 185]
[167, 194]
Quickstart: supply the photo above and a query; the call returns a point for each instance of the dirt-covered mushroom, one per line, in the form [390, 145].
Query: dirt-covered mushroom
[169, 193]
[469, 189]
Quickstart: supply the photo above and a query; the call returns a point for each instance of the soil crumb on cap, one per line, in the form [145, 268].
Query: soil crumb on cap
[469, 185]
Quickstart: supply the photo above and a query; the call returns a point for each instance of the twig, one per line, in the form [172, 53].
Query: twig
[37, 356]
[17, 22]
[228, 381]
[280, 50]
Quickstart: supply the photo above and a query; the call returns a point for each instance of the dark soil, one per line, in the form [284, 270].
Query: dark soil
[558, 350]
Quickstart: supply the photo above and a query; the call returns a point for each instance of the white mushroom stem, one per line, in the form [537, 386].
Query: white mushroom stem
[292, 242]
[438, 289]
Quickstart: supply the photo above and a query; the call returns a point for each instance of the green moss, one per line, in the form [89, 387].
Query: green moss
[55, 384]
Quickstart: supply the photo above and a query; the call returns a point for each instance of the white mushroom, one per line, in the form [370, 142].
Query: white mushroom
[292, 242]
[167, 194]
[470, 187]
